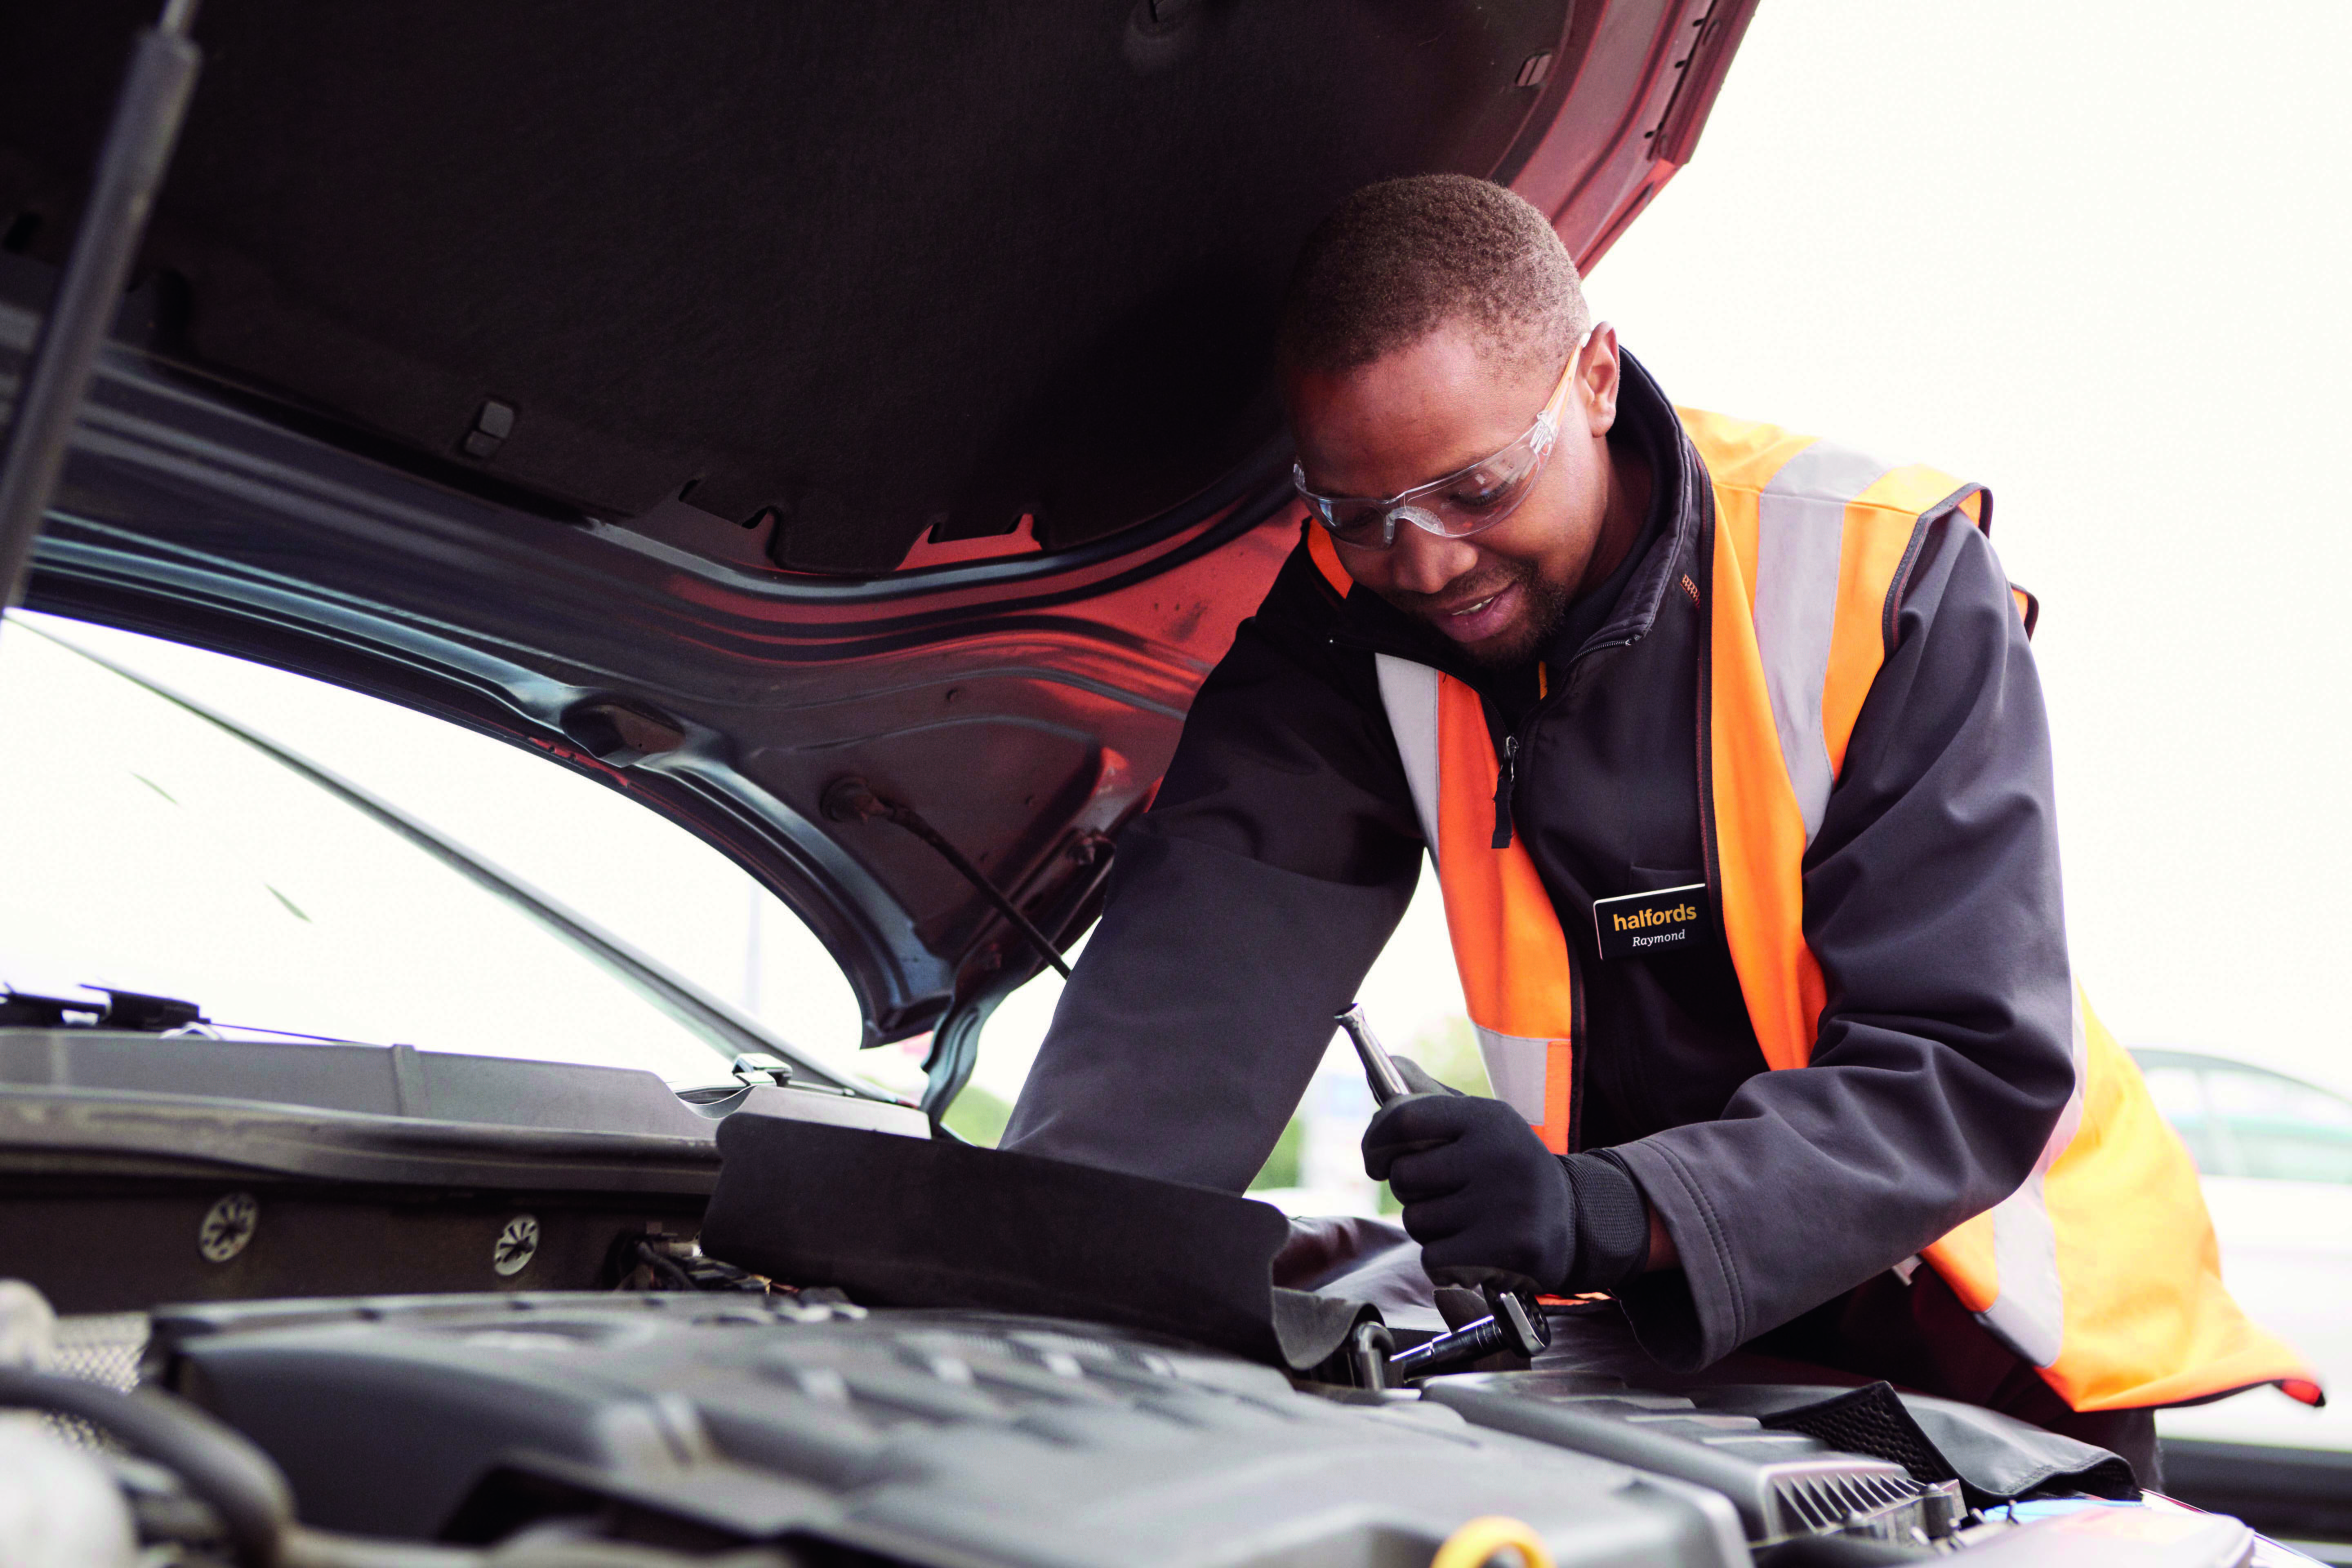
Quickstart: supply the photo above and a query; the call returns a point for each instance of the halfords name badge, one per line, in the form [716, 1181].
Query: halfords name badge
[1643, 925]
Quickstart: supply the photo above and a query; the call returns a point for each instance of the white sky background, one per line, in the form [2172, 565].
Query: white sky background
[2091, 258]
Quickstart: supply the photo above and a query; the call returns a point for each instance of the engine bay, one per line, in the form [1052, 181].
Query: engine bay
[799, 1428]
[422, 1319]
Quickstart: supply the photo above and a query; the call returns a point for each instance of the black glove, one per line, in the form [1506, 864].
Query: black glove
[1489, 1202]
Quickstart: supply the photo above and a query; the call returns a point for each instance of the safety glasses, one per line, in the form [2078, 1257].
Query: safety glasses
[1469, 500]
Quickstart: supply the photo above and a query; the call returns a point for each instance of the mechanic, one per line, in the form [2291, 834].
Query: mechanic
[1730, 755]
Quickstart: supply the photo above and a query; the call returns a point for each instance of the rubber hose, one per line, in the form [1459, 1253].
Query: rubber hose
[217, 1464]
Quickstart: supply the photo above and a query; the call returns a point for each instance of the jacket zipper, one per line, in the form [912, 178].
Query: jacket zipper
[1507, 759]
[1506, 775]
[1507, 782]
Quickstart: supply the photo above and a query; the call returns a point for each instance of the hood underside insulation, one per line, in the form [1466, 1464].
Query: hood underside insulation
[884, 272]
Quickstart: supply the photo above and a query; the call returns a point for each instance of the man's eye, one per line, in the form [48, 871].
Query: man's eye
[1479, 492]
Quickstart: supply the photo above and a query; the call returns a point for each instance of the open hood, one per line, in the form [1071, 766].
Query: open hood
[735, 403]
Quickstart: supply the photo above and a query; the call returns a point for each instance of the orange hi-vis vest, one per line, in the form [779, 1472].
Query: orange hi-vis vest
[2101, 1268]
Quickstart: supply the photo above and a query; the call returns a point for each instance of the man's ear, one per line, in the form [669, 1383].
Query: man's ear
[1598, 381]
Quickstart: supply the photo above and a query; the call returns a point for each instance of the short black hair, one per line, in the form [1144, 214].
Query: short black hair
[1395, 261]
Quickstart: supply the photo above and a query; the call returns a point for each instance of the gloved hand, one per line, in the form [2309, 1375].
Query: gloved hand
[1489, 1202]
[1484, 1198]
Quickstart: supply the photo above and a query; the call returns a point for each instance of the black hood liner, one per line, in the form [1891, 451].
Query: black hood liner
[884, 270]
[906, 1222]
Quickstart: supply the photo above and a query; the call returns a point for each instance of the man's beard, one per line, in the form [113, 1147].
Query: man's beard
[1545, 607]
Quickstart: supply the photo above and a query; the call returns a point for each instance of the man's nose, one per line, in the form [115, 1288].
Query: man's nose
[1421, 562]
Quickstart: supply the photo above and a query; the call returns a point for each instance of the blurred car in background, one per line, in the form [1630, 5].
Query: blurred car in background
[2276, 1156]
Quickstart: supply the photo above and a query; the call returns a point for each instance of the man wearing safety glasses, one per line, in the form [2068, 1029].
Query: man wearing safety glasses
[1729, 751]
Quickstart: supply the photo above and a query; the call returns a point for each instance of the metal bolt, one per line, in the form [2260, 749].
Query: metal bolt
[493, 423]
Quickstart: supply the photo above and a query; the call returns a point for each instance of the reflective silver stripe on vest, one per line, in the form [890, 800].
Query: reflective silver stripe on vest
[2028, 1311]
[1800, 538]
[1409, 691]
[1516, 1066]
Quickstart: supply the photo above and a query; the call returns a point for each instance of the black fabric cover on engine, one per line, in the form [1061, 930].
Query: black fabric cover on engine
[1995, 1457]
[906, 1222]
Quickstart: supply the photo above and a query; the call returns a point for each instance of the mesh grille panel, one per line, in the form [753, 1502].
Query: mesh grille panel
[1870, 1421]
[102, 1348]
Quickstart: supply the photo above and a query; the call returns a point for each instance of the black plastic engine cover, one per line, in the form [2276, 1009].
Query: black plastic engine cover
[702, 1421]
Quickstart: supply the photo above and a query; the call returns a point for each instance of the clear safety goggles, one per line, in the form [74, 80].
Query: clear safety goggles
[1466, 501]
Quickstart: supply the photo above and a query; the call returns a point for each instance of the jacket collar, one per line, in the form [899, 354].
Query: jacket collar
[1678, 497]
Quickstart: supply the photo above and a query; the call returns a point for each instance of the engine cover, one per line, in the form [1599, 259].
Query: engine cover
[1784, 1483]
[926, 1437]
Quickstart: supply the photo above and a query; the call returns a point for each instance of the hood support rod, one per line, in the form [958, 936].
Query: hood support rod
[852, 800]
[147, 116]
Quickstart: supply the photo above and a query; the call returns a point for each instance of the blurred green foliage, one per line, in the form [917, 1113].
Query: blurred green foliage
[1281, 1168]
[1448, 1052]
[978, 1116]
